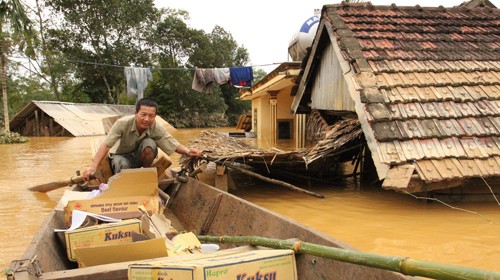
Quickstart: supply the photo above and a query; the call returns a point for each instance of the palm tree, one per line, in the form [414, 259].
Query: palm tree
[12, 12]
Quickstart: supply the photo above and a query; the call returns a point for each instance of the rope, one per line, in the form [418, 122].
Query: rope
[452, 207]
[491, 190]
[167, 68]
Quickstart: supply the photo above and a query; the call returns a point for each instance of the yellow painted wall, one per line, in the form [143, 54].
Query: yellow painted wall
[264, 110]
[284, 105]
[283, 108]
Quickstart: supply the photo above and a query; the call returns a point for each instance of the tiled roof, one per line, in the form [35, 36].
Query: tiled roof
[429, 84]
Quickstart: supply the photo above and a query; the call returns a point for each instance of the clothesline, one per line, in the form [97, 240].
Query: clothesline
[137, 77]
[166, 68]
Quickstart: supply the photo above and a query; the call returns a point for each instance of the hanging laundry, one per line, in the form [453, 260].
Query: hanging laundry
[198, 80]
[137, 80]
[222, 75]
[241, 76]
[209, 79]
[203, 79]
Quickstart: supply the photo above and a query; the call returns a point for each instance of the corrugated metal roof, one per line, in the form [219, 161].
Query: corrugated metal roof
[80, 119]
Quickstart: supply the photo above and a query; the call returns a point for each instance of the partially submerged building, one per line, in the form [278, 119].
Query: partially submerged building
[271, 101]
[424, 84]
[54, 118]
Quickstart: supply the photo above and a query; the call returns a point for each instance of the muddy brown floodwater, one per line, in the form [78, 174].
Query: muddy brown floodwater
[371, 220]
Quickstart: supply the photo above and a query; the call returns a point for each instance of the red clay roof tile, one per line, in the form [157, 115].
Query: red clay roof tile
[434, 85]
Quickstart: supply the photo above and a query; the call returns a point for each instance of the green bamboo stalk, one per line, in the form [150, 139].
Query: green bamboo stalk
[402, 265]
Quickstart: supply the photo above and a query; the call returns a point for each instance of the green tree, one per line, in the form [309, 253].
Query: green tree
[179, 46]
[258, 74]
[25, 89]
[12, 14]
[99, 33]
[77, 54]
[48, 64]
[219, 49]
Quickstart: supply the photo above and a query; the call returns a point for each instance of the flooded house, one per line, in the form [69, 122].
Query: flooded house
[424, 84]
[55, 118]
[271, 101]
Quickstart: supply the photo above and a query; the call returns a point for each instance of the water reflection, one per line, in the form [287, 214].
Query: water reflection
[367, 218]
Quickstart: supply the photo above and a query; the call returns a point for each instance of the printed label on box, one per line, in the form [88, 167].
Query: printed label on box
[98, 235]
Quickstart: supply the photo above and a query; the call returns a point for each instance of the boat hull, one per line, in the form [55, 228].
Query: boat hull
[202, 209]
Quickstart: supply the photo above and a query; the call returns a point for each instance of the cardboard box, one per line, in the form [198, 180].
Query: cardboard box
[162, 162]
[98, 235]
[258, 264]
[141, 250]
[128, 190]
[184, 243]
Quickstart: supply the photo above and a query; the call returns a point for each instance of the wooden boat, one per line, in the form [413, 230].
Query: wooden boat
[202, 209]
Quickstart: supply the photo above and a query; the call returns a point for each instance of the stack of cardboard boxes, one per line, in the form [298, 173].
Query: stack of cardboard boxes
[143, 234]
[242, 263]
[132, 197]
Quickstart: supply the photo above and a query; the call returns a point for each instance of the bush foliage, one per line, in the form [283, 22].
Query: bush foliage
[7, 137]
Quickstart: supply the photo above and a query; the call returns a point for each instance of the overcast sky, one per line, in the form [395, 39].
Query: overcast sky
[266, 27]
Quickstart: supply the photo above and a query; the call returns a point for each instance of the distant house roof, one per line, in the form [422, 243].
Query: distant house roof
[74, 119]
[477, 4]
[281, 77]
[426, 85]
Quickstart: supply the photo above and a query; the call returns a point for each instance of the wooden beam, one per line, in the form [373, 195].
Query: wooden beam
[35, 127]
[26, 126]
[51, 126]
[264, 178]
[416, 185]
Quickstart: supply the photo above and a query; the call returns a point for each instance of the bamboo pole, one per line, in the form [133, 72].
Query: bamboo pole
[264, 178]
[406, 266]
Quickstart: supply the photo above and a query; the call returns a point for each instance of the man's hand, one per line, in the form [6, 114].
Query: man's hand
[87, 173]
[192, 152]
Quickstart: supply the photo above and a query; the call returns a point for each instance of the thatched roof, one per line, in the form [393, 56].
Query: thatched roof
[224, 148]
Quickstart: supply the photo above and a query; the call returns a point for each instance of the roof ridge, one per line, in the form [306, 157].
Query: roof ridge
[394, 7]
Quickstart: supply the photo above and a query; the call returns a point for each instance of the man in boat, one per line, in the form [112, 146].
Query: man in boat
[133, 141]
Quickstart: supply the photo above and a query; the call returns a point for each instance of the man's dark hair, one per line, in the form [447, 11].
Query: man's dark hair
[146, 102]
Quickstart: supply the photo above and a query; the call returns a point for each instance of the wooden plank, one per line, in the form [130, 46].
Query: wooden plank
[399, 176]
[104, 170]
[427, 171]
[108, 122]
[241, 120]
[221, 181]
